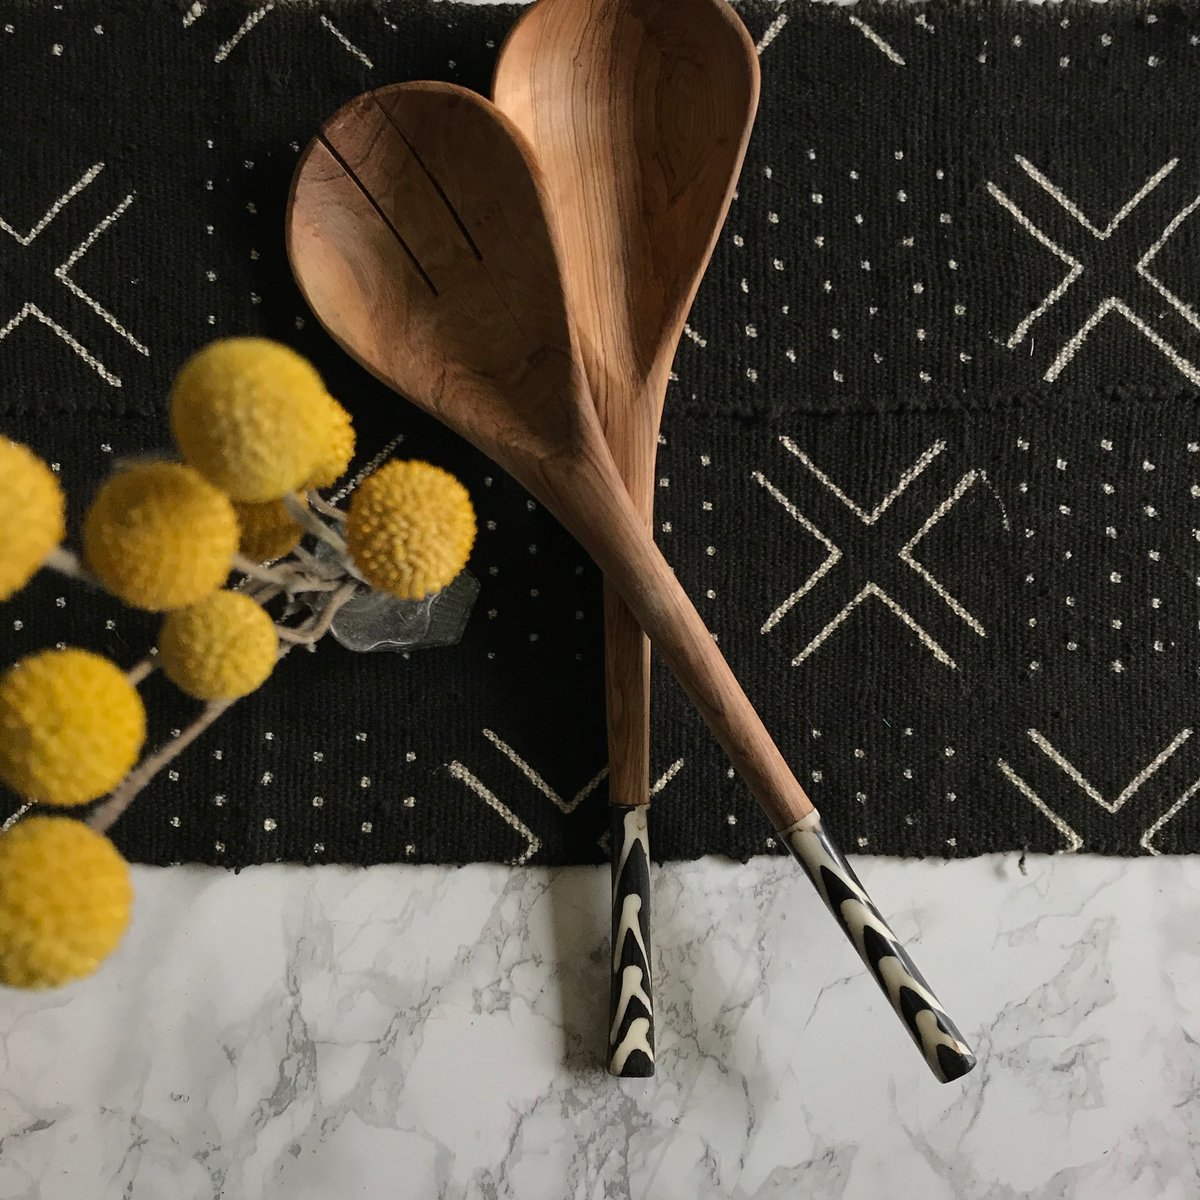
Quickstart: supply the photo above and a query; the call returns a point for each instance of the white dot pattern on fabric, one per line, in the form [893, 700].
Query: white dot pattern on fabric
[852, 281]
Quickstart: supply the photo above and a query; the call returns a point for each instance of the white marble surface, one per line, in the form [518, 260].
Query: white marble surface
[420, 1032]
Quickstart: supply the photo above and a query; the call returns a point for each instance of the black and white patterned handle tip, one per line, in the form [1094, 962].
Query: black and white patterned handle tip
[631, 1011]
[936, 1036]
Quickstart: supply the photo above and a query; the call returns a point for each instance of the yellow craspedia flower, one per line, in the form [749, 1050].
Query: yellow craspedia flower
[158, 536]
[65, 899]
[410, 528]
[31, 515]
[339, 448]
[219, 649]
[267, 530]
[253, 417]
[71, 726]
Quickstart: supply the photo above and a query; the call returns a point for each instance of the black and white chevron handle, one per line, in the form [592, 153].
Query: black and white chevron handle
[631, 1011]
[936, 1036]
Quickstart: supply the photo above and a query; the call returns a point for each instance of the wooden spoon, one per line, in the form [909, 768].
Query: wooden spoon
[417, 231]
[639, 112]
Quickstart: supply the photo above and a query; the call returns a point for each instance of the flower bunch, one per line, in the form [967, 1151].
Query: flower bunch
[208, 539]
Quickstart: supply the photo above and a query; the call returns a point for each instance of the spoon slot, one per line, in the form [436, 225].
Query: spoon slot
[352, 176]
[496, 359]
[391, 119]
[372, 148]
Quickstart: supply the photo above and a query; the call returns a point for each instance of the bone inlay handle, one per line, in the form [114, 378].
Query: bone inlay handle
[936, 1036]
[631, 1034]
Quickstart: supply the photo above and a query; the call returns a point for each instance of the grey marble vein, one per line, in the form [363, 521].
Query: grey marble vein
[440, 1032]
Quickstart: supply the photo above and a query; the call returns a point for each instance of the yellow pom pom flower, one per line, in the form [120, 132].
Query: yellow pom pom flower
[71, 726]
[158, 536]
[268, 530]
[339, 448]
[31, 515]
[220, 649]
[65, 900]
[253, 417]
[410, 529]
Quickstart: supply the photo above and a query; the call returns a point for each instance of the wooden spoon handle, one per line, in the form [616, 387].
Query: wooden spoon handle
[631, 1029]
[627, 689]
[631, 561]
[629, 416]
[627, 694]
[937, 1037]
[616, 537]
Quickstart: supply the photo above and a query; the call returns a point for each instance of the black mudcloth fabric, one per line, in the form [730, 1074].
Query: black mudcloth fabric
[930, 469]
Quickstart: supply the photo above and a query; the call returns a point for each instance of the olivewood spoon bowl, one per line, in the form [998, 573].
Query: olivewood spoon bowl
[417, 231]
[639, 112]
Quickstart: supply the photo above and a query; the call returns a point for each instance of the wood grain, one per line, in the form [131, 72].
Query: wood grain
[448, 289]
[639, 112]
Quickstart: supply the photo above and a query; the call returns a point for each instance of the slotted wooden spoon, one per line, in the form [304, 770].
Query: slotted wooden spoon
[639, 112]
[417, 231]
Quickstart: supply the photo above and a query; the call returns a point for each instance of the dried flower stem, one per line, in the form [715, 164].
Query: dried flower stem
[286, 578]
[262, 593]
[102, 818]
[105, 815]
[265, 583]
[326, 506]
[311, 523]
[318, 627]
[139, 460]
[143, 670]
[67, 562]
[321, 568]
[300, 572]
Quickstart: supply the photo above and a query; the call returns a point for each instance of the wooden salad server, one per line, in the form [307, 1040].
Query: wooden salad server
[639, 112]
[417, 230]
